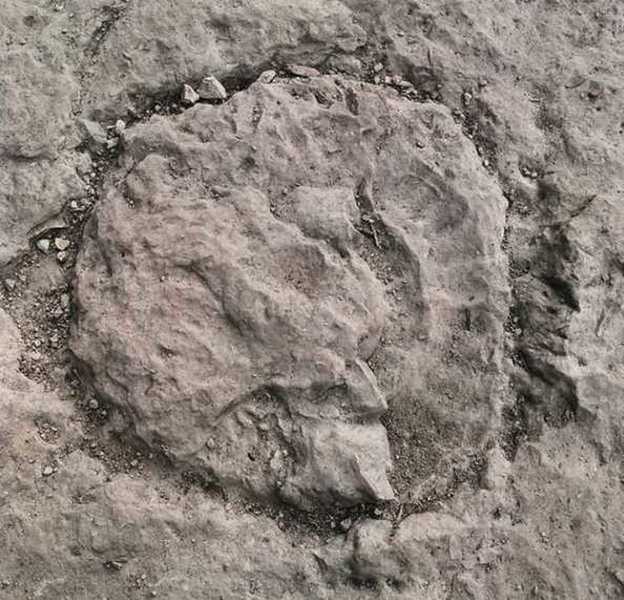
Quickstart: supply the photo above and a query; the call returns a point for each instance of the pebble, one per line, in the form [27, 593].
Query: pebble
[9, 284]
[61, 243]
[93, 132]
[378, 67]
[189, 96]
[120, 127]
[61, 257]
[267, 76]
[212, 89]
[43, 245]
[596, 89]
[345, 524]
[47, 471]
[93, 404]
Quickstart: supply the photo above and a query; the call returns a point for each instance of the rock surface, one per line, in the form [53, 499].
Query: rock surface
[353, 332]
[283, 282]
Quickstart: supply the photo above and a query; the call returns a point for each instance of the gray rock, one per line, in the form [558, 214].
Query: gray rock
[61, 243]
[9, 284]
[279, 306]
[120, 126]
[43, 245]
[211, 88]
[189, 96]
[267, 76]
[94, 134]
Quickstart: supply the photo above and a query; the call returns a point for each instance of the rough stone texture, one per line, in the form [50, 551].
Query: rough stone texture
[446, 197]
[32, 194]
[280, 299]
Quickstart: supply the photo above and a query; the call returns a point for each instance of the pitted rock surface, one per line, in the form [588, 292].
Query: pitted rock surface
[253, 261]
[351, 329]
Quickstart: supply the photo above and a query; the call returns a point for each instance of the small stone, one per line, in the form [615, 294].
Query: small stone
[378, 67]
[43, 245]
[120, 127]
[267, 76]
[595, 89]
[110, 144]
[61, 243]
[345, 524]
[65, 300]
[302, 71]
[93, 404]
[61, 256]
[47, 471]
[189, 96]
[212, 89]
[134, 463]
[9, 284]
[93, 134]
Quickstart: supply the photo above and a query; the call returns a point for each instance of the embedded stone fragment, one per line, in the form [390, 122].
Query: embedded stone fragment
[211, 88]
[189, 96]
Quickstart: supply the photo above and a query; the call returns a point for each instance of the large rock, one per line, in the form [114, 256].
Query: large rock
[229, 302]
